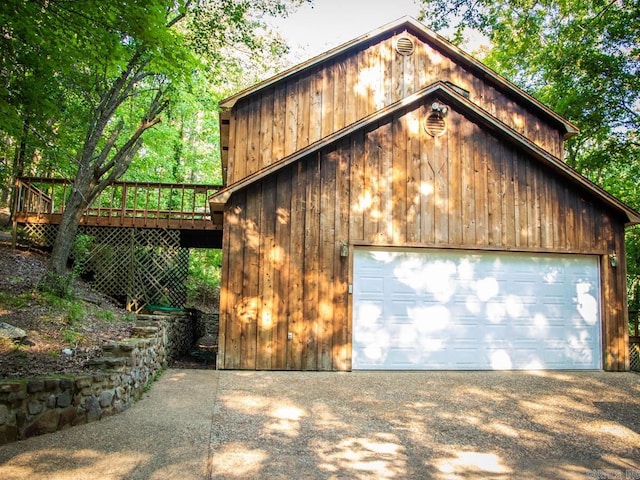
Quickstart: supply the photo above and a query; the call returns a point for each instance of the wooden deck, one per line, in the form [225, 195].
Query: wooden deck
[124, 204]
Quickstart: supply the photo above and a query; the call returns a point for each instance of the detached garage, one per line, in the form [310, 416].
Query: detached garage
[394, 204]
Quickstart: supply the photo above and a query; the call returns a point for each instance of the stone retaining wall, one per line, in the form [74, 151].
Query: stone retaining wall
[206, 324]
[31, 407]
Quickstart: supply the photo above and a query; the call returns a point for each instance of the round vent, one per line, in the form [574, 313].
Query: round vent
[435, 124]
[404, 46]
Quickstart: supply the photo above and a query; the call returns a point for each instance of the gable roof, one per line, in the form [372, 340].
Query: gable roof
[418, 29]
[470, 110]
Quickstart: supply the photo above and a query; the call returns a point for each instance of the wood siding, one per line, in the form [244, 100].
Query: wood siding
[304, 108]
[391, 184]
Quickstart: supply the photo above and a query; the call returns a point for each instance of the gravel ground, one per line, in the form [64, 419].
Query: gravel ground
[203, 424]
[444, 425]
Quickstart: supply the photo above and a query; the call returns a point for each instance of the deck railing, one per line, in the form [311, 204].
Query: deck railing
[140, 204]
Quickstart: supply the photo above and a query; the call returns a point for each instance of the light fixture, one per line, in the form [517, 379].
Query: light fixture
[439, 108]
[344, 249]
[613, 259]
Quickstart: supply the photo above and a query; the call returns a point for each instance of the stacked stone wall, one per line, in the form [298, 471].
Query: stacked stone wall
[30, 407]
[206, 324]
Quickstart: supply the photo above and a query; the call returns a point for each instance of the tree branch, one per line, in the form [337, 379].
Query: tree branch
[122, 159]
[180, 15]
[108, 146]
[110, 101]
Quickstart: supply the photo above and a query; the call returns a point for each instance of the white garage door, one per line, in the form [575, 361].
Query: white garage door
[454, 310]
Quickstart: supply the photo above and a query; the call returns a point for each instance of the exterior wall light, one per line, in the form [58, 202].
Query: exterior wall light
[344, 250]
[439, 108]
[613, 259]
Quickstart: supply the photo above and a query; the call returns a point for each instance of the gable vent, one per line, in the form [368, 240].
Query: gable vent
[405, 46]
[435, 124]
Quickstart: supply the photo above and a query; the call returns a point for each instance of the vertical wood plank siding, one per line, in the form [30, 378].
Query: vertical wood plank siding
[319, 101]
[391, 184]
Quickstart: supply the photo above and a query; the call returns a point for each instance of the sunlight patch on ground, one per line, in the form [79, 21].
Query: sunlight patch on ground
[235, 460]
[54, 465]
[552, 375]
[503, 429]
[324, 417]
[494, 396]
[380, 456]
[465, 463]
[246, 404]
[288, 413]
[615, 429]
[176, 377]
[286, 421]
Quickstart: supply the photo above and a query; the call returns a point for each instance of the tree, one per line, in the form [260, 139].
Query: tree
[582, 59]
[90, 78]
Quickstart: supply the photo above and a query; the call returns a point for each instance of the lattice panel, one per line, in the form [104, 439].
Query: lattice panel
[160, 269]
[41, 234]
[148, 266]
[634, 351]
[145, 266]
[109, 264]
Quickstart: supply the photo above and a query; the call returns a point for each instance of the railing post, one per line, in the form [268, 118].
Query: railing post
[17, 192]
[159, 203]
[123, 204]
[182, 205]
[135, 201]
[39, 202]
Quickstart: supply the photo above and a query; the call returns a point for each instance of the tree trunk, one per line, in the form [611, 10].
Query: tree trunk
[57, 279]
[17, 169]
[66, 234]
[75, 207]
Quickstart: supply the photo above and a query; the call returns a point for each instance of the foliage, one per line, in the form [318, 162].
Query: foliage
[203, 285]
[10, 302]
[154, 378]
[82, 246]
[83, 81]
[71, 336]
[75, 313]
[106, 315]
[61, 58]
[582, 59]
[56, 284]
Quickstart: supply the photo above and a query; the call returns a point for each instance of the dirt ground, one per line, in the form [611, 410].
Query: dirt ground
[81, 326]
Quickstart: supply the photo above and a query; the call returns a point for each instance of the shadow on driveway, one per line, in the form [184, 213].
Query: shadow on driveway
[201, 424]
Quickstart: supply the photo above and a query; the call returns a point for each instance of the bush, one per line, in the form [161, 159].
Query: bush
[203, 283]
[60, 286]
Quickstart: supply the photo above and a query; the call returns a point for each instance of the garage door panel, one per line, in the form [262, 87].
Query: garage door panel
[372, 285]
[448, 309]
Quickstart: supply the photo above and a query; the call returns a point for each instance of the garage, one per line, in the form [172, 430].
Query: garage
[428, 222]
[423, 309]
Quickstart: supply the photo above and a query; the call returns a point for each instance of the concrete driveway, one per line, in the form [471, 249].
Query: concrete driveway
[203, 424]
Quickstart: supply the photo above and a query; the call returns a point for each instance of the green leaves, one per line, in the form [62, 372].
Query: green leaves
[85, 82]
[60, 58]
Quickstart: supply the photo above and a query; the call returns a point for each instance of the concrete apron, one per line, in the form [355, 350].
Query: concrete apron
[203, 424]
